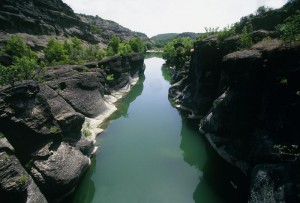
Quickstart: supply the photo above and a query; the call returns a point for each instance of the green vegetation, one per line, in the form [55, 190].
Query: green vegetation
[115, 46]
[137, 45]
[290, 29]
[15, 47]
[262, 10]
[23, 68]
[54, 130]
[27, 67]
[22, 180]
[86, 130]
[226, 32]
[246, 40]
[284, 81]
[55, 51]
[110, 77]
[177, 51]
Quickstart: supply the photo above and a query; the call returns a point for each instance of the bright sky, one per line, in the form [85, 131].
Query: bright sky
[154, 17]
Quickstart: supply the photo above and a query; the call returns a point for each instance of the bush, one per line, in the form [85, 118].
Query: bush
[55, 51]
[113, 46]
[290, 29]
[177, 51]
[137, 45]
[16, 47]
[23, 68]
[246, 40]
[226, 32]
[93, 52]
[125, 49]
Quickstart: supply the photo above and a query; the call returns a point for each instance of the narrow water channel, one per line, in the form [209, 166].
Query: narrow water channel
[150, 153]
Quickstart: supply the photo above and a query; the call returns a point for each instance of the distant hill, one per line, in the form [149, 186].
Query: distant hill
[38, 20]
[162, 39]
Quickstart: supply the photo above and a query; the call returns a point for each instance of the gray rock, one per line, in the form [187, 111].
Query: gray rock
[60, 173]
[16, 185]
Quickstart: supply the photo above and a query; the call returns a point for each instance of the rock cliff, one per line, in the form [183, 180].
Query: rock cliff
[43, 151]
[38, 20]
[248, 103]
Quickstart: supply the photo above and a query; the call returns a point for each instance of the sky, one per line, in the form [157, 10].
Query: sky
[154, 17]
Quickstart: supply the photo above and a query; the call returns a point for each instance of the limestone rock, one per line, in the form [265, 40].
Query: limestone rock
[60, 173]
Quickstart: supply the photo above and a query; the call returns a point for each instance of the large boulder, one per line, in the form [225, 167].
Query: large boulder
[83, 90]
[26, 118]
[59, 173]
[16, 185]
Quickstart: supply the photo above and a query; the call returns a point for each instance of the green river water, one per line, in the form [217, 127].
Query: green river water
[150, 153]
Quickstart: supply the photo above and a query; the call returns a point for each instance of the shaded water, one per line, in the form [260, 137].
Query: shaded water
[150, 153]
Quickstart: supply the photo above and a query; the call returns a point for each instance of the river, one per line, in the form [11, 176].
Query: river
[150, 153]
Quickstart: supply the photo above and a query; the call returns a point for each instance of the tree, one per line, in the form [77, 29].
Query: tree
[55, 51]
[137, 45]
[177, 51]
[290, 29]
[262, 10]
[125, 48]
[23, 68]
[16, 47]
[113, 46]
[246, 37]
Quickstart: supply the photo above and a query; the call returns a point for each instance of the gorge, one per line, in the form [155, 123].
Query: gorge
[86, 115]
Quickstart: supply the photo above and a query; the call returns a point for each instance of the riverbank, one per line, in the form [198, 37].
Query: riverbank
[43, 143]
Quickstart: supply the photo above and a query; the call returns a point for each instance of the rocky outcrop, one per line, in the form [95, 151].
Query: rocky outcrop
[248, 102]
[43, 124]
[37, 20]
[15, 183]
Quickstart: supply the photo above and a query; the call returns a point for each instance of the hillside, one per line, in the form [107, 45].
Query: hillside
[162, 39]
[37, 20]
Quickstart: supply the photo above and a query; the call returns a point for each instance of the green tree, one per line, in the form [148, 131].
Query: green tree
[113, 46]
[23, 68]
[55, 52]
[137, 45]
[125, 48]
[177, 51]
[262, 10]
[290, 29]
[16, 47]
[246, 37]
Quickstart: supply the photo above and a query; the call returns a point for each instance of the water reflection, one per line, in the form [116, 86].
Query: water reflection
[88, 184]
[124, 103]
[149, 55]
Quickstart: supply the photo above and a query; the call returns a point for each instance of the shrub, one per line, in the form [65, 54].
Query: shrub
[110, 77]
[177, 51]
[262, 10]
[113, 46]
[23, 68]
[54, 130]
[290, 29]
[246, 40]
[22, 180]
[16, 47]
[93, 52]
[226, 32]
[137, 45]
[86, 132]
[55, 51]
[125, 49]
